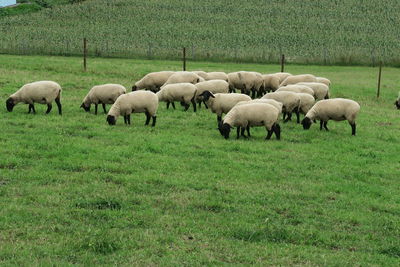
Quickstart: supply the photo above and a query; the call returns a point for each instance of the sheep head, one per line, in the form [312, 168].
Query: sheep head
[306, 122]
[10, 104]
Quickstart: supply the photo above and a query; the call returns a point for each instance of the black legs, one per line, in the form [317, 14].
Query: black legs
[194, 104]
[173, 104]
[297, 111]
[148, 117]
[58, 105]
[276, 128]
[31, 108]
[237, 132]
[127, 119]
[154, 121]
[95, 109]
[323, 124]
[353, 128]
[104, 108]
[49, 107]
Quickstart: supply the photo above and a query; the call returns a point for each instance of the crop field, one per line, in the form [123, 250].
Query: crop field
[74, 190]
[319, 32]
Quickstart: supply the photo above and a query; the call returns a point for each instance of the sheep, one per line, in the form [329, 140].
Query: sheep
[270, 82]
[183, 77]
[235, 82]
[306, 103]
[397, 103]
[272, 102]
[321, 91]
[183, 92]
[102, 94]
[222, 103]
[202, 74]
[152, 81]
[214, 86]
[255, 114]
[298, 78]
[246, 81]
[337, 109]
[323, 80]
[282, 76]
[43, 92]
[134, 102]
[217, 75]
[290, 101]
[297, 89]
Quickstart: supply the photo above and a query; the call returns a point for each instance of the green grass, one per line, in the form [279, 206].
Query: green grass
[74, 190]
[321, 32]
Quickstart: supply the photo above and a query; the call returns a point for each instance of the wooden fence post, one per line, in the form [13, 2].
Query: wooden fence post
[184, 59]
[379, 79]
[282, 63]
[84, 53]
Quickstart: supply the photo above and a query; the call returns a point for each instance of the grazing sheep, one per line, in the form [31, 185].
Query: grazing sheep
[245, 116]
[235, 82]
[183, 92]
[134, 102]
[323, 80]
[217, 75]
[202, 74]
[272, 102]
[282, 76]
[222, 103]
[290, 101]
[102, 94]
[336, 109]
[43, 92]
[298, 79]
[183, 77]
[306, 103]
[214, 86]
[321, 91]
[270, 83]
[152, 81]
[397, 103]
[297, 88]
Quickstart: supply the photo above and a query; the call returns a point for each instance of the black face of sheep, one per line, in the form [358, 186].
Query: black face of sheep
[206, 95]
[134, 88]
[111, 120]
[10, 104]
[87, 109]
[224, 129]
[306, 122]
[397, 103]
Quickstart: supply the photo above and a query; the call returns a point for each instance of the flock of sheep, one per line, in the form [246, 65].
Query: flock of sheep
[271, 96]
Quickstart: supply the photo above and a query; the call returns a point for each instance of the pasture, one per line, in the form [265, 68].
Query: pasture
[323, 32]
[74, 190]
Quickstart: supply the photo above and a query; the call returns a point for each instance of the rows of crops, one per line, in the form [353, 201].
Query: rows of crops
[326, 32]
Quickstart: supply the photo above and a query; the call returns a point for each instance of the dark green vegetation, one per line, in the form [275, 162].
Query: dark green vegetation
[321, 32]
[74, 190]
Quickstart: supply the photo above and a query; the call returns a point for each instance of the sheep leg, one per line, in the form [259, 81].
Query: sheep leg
[187, 106]
[173, 104]
[168, 104]
[95, 109]
[253, 93]
[199, 104]
[269, 134]
[298, 114]
[104, 108]
[58, 102]
[289, 117]
[325, 123]
[284, 115]
[194, 104]
[242, 132]
[353, 128]
[49, 107]
[125, 119]
[147, 118]
[128, 117]
[205, 104]
[277, 131]
[32, 108]
[237, 132]
[321, 123]
[219, 118]
[248, 130]
[154, 121]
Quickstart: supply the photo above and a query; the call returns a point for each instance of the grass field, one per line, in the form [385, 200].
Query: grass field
[74, 190]
[323, 32]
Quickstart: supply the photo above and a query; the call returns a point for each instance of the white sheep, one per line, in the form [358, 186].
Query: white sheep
[321, 91]
[282, 76]
[252, 82]
[306, 103]
[296, 88]
[235, 82]
[43, 92]
[270, 82]
[185, 93]
[152, 81]
[336, 109]
[202, 74]
[248, 115]
[134, 102]
[323, 80]
[298, 78]
[290, 101]
[214, 86]
[102, 94]
[183, 77]
[217, 75]
[273, 102]
[222, 103]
